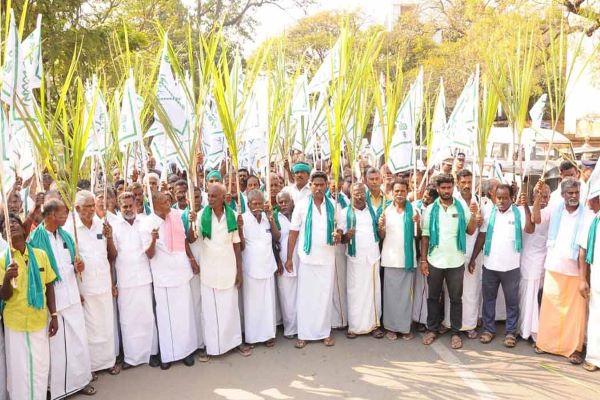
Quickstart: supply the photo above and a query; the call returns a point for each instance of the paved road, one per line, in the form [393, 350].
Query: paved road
[364, 368]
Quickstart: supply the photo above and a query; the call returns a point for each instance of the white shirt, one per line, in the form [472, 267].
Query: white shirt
[283, 241]
[559, 253]
[367, 249]
[218, 269]
[321, 253]
[258, 260]
[91, 243]
[297, 194]
[503, 256]
[168, 269]
[66, 291]
[132, 264]
[471, 239]
[392, 252]
[534, 250]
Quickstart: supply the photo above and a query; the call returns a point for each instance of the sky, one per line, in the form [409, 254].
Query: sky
[273, 21]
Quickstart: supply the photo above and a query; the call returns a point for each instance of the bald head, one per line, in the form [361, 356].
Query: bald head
[216, 195]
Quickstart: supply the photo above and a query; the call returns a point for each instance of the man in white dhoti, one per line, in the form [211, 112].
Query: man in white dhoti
[533, 257]
[339, 310]
[362, 251]
[589, 279]
[287, 282]
[221, 274]
[96, 286]
[398, 258]
[300, 189]
[471, 299]
[172, 265]
[26, 310]
[134, 282]
[70, 366]
[259, 266]
[313, 221]
[189, 218]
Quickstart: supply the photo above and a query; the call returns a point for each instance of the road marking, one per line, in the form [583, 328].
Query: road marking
[468, 377]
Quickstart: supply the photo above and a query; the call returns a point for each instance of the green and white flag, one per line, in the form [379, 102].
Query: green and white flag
[462, 124]
[213, 140]
[402, 155]
[98, 139]
[377, 147]
[130, 129]
[5, 152]
[32, 50]
[11, 66]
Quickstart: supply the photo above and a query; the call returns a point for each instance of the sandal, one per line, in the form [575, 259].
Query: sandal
[115, 370]
[391, 335]
[590, 367]
[378, 333]
[328, 341]
[94, 377]
[203, 357]
[576, 358]
[270, 342]
[510, 341]
[350, 335]
[456, 342]
[300, 344]
[244, 350]
[408, 336]
[443, 329]
[88, 390]
[486, 337]
[472, 334]
[429, 338]
[289, 336]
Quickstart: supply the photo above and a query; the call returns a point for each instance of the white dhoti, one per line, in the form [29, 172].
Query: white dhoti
[259, 309]
[315, 291]
[288, 295]
[70, 367]
[419, 313]
[176, 322]
[197, 300]
[593, 328]
[138, 327]
[532, 280]
[339, 311]
[364, 296]
[99, 323]
[471, 298]
[220, 320]
[3, 392]
[28, 364]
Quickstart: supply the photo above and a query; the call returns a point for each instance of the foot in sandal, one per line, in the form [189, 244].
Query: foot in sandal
[486, 337]
[244, 350]
[429, 337]
[510, 340]
[456, 342]
[328, 341]
[590, 367]
[88, 390]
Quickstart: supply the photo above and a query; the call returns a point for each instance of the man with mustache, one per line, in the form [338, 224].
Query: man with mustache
[259, 265]
[501, 238]
[471, 298]
[134, 282]
[26, 313]
[287, 281]
[313, 222]
[563, 311]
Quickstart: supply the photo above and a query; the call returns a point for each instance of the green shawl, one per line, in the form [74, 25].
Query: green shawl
[490, 231]
[39, 240]
[434, 226]
[35, 289]
[329, 209]
[591, 241]
[206, 221]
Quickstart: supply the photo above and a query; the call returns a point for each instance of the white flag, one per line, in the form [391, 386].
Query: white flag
[98, 139]
[440, 144]
[32, 48]
[328, 70]
[130, 129]
[462, 124]
[537, 111]
[377, 145]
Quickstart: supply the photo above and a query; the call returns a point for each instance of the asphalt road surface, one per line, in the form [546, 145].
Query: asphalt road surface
[363, 368]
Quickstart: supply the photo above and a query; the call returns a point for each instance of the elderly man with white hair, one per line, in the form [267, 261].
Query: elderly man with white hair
[259, 265]
[96, 249]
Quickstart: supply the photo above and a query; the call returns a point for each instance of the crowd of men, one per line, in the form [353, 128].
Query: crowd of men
[144, 271]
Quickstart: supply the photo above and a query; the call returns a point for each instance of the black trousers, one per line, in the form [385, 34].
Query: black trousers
[454, 282]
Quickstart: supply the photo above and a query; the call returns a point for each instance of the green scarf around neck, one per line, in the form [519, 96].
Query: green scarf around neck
[434, 226]
[329, 209]
[276, 217]
[591, 241]
[35, 289]
[39, 239]
[206, 221]
[490, 231]
[351, 224]
[233, 204]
